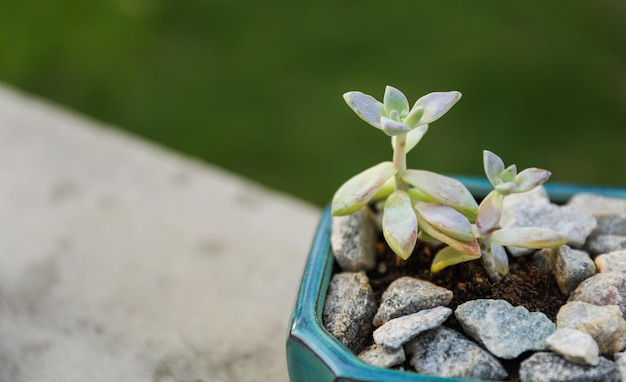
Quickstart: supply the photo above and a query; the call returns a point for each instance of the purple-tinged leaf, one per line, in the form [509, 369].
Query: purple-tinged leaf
[443, 190]
[366, 107]
[447, 220]
[489, 213]
[530, 178]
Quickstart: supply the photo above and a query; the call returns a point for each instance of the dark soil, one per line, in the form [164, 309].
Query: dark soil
[525, 285]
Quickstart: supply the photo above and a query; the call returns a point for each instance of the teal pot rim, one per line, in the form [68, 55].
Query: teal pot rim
[313, 354]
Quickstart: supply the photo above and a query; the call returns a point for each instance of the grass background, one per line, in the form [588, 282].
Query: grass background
[256, 86]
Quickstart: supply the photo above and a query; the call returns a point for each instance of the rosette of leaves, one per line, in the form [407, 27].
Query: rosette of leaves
[391, 181]
[490, 237]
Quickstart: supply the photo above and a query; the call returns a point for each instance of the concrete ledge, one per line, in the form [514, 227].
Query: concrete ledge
[121, 261]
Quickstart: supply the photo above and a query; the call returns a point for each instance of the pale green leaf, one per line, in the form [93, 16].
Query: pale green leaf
[436, 105]
[447, 220]
[386, 189]
[489, 213]
[415, 116]
[400, 224]
[366, 107]
[443, 190]
[412, 138]
[467, 247]
[394, 99]
[449, 256]
[393, 128]
[422, 236]
[509, 173]
[528, 237]
[361, 188]
[493, 165]
[530, 178]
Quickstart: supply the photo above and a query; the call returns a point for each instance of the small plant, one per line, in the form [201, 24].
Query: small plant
[424, 205]
[487, 231]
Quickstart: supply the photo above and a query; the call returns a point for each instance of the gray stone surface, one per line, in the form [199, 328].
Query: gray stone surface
[504, 330]
[605, 288]
[447, 353]
[605, 243]
[398, 331]
[610, 213]
[123, 261]
[612, 262]
[549, 367]
[349, 309]
[575, 346]
[569, 220]
[353, 240]
[604, 323]
[570, 266]
[377, 355]
[620, 362]
[408, 295]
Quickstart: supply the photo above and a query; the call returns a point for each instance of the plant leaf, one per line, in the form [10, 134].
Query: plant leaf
[366, 107]
[443, 190]
[387, 188]
[415, 116]
[509, 173]
[393, 128]
[449, 256]
[467, 247]
[394, 99]
[447, 220]
[493, 165]
[400, 224]
[530, 178]
[500, 258]
[528, 237]
[437, 104]
[489, 213]
[361, 188]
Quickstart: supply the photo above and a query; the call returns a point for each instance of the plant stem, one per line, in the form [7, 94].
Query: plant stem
[399, 160]
[488, 259]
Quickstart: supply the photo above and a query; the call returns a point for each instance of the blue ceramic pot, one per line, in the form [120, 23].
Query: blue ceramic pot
[315, 355]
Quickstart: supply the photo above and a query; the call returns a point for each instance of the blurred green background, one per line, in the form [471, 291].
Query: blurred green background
[256, 86]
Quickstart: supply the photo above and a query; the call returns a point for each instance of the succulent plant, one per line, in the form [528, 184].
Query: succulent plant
[390, 180]
[424, 205]
[487, 231]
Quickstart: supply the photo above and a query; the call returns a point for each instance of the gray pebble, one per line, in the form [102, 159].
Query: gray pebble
[569, 266]
[398, 331]
[447, 353]
[604, 323]
[522, 210]
[353, 241]
[349, 309]
[606, 288]
[504, 330]
[549, 367]
[408, 295]
[376, 355]
[575, 346]
[605, 243]
[610, 213]
[612, 262]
